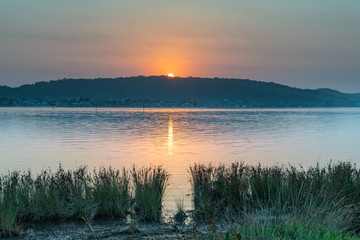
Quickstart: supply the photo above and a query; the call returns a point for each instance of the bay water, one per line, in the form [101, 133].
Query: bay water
[41, 138]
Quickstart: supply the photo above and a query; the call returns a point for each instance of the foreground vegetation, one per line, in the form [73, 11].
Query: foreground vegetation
[79, 195]
[234, 201]
[279, 202]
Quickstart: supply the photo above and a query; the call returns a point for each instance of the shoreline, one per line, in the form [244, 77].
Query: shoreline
[181, 108]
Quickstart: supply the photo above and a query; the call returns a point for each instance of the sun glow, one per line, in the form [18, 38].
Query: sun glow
[171, 75]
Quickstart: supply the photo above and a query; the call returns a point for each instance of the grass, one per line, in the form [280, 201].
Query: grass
[285, 230]
[150, 185]
[259, 202]
[111, 190]
[78, 194]
[238, 188]
[9, 206]
[279, 198]
[180, 214]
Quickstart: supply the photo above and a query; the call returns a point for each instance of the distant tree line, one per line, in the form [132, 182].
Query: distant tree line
[161, 91]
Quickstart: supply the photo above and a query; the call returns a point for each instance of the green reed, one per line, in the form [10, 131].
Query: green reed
[283, 200]
[72, 194]
[150, 185]
[79, 194]
[327, 195]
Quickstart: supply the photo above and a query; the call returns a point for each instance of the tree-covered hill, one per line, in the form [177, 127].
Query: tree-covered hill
[163, 91]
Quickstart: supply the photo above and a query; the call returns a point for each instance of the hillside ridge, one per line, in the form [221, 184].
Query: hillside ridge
[162, 91]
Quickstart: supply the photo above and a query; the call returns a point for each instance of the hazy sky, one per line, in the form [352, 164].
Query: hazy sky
[306, 44]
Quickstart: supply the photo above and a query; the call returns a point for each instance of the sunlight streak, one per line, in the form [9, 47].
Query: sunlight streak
[170, 137]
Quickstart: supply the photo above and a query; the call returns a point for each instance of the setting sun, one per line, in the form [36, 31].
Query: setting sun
[171, 75]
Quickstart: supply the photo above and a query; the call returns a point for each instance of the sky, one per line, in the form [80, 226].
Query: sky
[305, 44]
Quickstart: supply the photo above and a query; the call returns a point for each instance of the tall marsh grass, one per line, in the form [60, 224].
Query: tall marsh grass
[326, 195]
[150, 185]
[78, 194]
[111, 191]
[285, 230]
[282, 202]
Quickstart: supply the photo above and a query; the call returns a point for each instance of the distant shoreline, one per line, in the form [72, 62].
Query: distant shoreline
[179, 108]
[162, 91]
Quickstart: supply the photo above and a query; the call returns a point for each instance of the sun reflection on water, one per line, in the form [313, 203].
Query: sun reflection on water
[170, 137]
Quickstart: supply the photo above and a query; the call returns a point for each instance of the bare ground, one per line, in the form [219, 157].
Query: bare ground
[109, 230]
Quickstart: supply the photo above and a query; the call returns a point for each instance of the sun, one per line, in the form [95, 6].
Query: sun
[170, 75]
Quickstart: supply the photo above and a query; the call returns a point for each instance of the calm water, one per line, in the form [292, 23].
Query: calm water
[39, 138]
